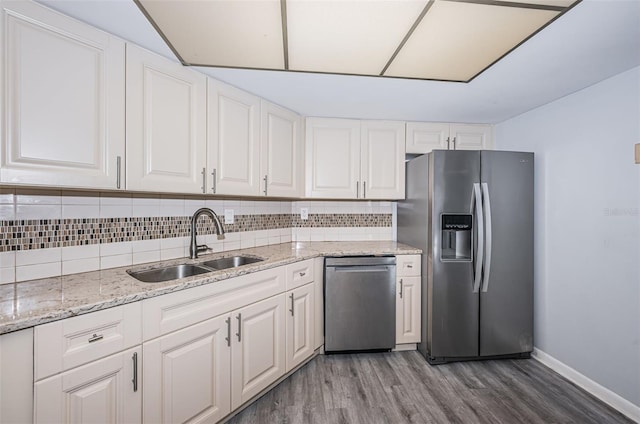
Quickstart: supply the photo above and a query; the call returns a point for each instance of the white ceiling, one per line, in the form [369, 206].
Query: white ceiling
[595, 40]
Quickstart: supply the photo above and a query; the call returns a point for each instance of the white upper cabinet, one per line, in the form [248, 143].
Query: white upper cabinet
[62, 100]
[332, 158]
[382, 150]
[233, 140]
[280, 151]
[166, 124]
[423, 137]
[352, 159]
[471, 136]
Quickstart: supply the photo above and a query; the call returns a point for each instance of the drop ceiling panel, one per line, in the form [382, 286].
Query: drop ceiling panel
[455, 41]
[349, 37]
[244, 33]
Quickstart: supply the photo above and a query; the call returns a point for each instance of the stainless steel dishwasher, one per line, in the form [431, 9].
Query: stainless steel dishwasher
[360, 305]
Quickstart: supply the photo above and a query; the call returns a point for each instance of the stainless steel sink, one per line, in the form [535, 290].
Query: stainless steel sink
[175, 272]
[231, 262]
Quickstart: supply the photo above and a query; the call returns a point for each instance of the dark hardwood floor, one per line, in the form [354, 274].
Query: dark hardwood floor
[401, 387]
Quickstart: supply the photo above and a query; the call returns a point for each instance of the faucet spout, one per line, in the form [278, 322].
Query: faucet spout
[194, 249]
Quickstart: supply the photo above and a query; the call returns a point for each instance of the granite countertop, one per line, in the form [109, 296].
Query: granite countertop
[30, 303]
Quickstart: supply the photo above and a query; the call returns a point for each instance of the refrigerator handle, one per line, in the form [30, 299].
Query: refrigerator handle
[487, 259]
[476, 205]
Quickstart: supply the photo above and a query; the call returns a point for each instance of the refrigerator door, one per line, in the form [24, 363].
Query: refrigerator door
[506, 296]
[453, 307]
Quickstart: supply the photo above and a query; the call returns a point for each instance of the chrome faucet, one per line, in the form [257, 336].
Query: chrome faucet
[194, 249]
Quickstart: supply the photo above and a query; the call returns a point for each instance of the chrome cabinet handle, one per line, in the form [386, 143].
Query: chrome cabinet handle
[364, 189]
[239, 333]
[204, 179]
[213, 185]
[448, 145]
[292, 304]
[357, 189]
[118, 171]
[401, 288]
[302, 274]
[228, 338]
[135, 371]
[454, 143]
[265, 185]
[409, 266]
[95, 338]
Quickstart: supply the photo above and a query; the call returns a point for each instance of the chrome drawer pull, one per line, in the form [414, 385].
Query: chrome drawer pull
[409, 266]
[239, 333]
[135, 371]
[302, 274]
[95, 338]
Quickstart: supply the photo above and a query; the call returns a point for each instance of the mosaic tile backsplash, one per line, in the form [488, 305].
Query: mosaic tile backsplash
[45, 233]
[49, 233]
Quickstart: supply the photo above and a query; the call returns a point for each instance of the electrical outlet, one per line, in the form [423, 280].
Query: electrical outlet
[228, 216]
[304, 213]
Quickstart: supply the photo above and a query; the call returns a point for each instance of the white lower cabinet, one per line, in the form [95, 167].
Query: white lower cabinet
[408, 309]
[408, 299]
[16, 377]
[257, 349]
[193, 366]
[103, 391]
[187, 374]
[300, 325]
[202, 372]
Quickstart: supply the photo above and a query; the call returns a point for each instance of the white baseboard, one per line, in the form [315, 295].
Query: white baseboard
[405, 347]
[607, 396]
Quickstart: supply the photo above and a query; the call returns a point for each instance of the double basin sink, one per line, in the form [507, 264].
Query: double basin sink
[175, 272]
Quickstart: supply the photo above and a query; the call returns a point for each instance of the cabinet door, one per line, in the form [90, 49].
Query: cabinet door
[281, 148]
[382, 167]
[104, 391]
[332, 149]
[408, 310]
[62, 97]
[471, 137]
[233, 139]
[258, 348]
[423, 137]
[166, 124]
[16, 377]
[300, 325]
[187, 374]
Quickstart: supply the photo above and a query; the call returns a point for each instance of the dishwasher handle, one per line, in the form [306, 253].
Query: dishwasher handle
[360, 268]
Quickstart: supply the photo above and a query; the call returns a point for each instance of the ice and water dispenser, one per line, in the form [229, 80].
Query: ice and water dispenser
[457, 237]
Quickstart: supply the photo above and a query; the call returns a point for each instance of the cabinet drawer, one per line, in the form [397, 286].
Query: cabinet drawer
[299, 274]
[408, 265]
[171, 312]
[65, 344]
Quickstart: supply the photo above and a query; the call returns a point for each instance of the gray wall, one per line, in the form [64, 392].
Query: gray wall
[587, 283]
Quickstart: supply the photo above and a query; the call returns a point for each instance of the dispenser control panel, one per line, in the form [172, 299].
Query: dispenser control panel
[457, 237]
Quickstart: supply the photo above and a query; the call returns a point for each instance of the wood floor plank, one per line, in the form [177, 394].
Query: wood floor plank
[401, 387]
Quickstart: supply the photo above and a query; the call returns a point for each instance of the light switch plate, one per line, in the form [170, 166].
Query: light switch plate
[228, 216]
[304, 213]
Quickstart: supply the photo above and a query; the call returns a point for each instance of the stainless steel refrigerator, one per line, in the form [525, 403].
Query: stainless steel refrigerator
[472, 214]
